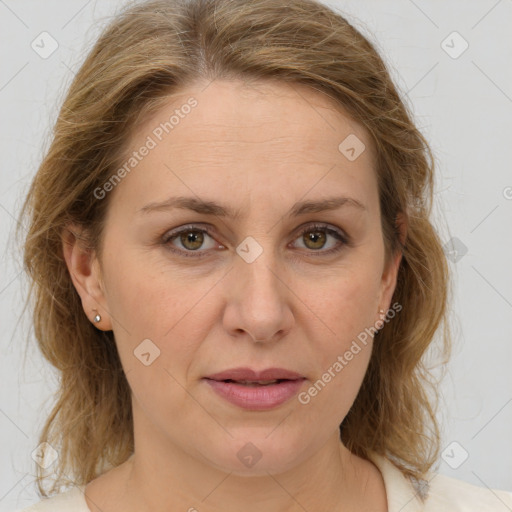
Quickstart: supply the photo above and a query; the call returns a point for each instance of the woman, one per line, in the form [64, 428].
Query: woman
[235, 273]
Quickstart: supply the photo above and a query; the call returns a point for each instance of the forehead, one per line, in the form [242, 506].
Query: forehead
[256, 112]
[263, 134]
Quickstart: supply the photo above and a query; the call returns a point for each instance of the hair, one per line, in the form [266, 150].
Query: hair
[148, 52]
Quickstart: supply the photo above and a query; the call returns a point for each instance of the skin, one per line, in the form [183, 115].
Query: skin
[292, 307]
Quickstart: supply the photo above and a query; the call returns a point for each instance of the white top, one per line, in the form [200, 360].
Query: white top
[445, 494]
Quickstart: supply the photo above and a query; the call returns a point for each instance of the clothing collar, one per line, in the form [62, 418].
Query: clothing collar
[403, 494]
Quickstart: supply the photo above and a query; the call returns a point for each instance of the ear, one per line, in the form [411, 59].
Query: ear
[85, 272]
[390, 273]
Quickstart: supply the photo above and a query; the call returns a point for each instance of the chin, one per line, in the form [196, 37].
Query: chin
[259, 457]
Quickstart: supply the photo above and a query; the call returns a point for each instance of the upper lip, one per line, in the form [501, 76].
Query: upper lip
[248, 374]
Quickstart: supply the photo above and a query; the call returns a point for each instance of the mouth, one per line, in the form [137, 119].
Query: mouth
[257, 391]
[269, 375]
[256, 383]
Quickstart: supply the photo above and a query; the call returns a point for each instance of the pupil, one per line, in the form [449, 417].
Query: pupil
[314, 238]
[192, 240]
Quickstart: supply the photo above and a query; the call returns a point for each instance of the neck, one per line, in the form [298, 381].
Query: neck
[330, 479]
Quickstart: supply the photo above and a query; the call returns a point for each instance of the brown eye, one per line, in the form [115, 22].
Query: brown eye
[314, 239]
[192, 239]
[322, 239]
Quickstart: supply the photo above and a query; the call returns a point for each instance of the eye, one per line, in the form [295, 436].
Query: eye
[315, 237]
[189, 239]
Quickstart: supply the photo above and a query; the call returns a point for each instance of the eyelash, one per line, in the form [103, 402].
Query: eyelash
[169, 237]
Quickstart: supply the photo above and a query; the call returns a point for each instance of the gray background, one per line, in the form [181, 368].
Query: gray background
[462, 103]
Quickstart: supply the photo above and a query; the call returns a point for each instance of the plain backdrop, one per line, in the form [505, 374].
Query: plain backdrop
[452, 64]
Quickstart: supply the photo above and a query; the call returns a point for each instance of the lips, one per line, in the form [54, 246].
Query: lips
[256, 390]
[253, 377]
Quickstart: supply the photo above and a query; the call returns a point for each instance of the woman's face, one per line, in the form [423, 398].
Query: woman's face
[252, 291]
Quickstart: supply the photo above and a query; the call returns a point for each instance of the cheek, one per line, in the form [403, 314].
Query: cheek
[155, 327]
[148, 299]
[171, 309]
[343, 351]
[344, 309]
[346, 304]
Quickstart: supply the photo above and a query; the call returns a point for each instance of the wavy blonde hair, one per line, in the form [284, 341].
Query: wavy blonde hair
[149, 51]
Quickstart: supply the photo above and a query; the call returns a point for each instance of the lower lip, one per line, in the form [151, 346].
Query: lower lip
[256, 398]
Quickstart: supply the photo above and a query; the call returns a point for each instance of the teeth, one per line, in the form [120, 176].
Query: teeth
[257, 382]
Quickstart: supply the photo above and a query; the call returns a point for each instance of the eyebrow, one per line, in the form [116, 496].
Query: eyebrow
[213, 208]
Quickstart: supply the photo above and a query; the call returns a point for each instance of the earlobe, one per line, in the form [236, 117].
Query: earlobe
[389, 280]
[84, 270]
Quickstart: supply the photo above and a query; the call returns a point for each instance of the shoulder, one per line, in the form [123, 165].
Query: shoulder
[72, 500]
[438, 493]
[448, 493]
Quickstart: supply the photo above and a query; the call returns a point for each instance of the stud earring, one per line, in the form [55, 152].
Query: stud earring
[97, 318]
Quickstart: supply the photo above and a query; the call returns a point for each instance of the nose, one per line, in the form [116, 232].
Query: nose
[258, 302]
